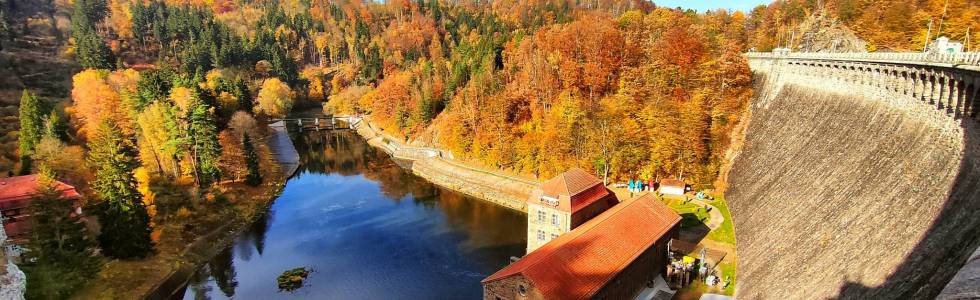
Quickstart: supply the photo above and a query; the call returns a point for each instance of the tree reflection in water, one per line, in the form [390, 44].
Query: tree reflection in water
[368, 228]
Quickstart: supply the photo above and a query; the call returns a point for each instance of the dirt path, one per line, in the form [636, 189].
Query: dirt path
[716, 217]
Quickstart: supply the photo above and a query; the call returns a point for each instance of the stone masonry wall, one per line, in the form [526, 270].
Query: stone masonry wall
[845, 189]
[484, 185]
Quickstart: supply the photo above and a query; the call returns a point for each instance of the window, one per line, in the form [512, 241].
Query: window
[521, 290]
[541, 216]
[554, 236]
[554, 220]
[541, 235]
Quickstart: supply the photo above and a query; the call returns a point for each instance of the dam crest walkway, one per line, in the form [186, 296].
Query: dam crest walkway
[950, 82]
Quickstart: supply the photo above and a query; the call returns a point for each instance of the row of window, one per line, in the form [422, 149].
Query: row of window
[555, 220]
[541, 236]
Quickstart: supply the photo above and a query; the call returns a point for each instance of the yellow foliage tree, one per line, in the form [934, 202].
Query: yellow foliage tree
[156, 137]
[182, 97]
[149, 199]
[120, 18]
[275, 99]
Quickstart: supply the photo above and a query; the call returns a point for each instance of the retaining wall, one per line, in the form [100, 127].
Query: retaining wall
[487, 185]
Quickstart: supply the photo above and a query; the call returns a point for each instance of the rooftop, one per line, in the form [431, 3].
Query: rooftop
[579, 263]
[574, 190]
[20, 188]
[672, 183]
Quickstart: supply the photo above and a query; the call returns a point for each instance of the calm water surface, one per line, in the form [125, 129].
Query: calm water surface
[369, 229]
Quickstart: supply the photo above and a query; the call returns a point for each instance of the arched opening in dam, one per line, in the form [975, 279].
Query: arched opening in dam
[368, 229]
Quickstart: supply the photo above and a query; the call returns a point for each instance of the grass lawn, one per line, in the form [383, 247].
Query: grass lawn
[691, 213]
[727, 269]
[725, 233]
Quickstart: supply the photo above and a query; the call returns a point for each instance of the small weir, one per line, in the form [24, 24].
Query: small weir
[316, 123]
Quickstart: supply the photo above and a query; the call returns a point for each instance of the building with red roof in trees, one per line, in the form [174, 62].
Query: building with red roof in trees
[16, 194]
[612, 256]
[563, 203]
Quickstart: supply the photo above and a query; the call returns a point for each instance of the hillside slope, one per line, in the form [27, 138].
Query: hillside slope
[33, 60]
[846, 192]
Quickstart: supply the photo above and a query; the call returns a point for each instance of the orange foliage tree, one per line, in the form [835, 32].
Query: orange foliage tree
[96, 97]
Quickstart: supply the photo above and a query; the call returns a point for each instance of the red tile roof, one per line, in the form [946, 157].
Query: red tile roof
[579, 263]
[569, 183]
[673, 183]
[19, 188]
[575, 189]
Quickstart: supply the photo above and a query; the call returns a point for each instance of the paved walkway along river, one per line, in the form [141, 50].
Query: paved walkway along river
[438, 167]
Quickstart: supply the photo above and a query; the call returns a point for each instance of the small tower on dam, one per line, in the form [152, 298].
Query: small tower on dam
[563, 203]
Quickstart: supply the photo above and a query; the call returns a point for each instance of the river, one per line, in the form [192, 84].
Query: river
[368, 229]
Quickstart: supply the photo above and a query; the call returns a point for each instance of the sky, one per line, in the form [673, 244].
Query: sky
[701, 6]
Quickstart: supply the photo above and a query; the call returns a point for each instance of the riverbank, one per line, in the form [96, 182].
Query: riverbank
[433, 165]
[186, 242]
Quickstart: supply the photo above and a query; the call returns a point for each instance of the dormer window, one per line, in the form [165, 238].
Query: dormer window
[521, 290]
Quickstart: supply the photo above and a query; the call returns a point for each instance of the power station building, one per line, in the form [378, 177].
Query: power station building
[563, 203]
[582, 243]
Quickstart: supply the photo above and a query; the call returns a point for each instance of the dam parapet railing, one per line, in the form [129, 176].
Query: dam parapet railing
[933, 79]
[964, 58]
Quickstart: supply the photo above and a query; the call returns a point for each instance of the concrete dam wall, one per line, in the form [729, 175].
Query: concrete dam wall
[850, 190]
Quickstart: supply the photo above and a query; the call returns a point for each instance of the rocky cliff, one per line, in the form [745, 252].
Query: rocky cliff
[851, 192]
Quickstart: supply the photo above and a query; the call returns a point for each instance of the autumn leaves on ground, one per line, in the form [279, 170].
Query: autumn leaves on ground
[163, 127]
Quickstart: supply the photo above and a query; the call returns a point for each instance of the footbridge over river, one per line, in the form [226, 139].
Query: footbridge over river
[859, 177]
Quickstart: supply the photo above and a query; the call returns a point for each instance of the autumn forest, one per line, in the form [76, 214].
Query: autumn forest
[172, 96]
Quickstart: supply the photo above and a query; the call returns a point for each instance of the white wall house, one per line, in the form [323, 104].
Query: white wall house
[944, 45]
[672, 187]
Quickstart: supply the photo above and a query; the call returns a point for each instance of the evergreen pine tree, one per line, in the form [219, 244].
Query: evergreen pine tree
[283, 66]
[206, 148]
[31, 128]
[153, 85]
[254, 178]
[92, 52]
[61, 257]
[55, 126]
[244, 96]
[122, 214]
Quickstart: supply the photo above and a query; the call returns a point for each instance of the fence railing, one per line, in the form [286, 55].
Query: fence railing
[964, 58]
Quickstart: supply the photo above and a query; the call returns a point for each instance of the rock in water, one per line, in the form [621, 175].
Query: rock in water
[290, 280]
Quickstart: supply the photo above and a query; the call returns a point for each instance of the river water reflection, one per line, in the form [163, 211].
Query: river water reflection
[369, 229]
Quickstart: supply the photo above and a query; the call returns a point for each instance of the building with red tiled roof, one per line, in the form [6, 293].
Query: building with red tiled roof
[612, 256]
[563, 203]
[15, 200]
[673, 187]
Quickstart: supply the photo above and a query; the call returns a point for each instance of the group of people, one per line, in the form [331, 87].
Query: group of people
[638, 185]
